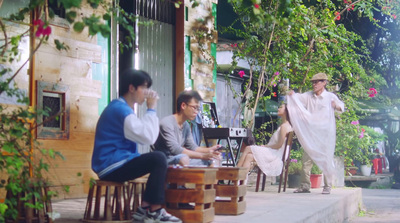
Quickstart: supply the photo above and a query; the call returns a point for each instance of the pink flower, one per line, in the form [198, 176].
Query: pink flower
[40, 28]
[394, 16]
[293, 160]
[257, 6]
[276, 73]
[47, 31]
[241, 73]
[372, 92]
[38, 22]
[362, 130]
[39, 31]
[355, 122]
[361, 135]
[337, 14]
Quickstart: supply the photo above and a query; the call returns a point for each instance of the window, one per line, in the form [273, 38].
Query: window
[56, 8]
[54, 99]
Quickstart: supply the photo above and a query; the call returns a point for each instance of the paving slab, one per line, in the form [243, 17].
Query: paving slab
[265, 206]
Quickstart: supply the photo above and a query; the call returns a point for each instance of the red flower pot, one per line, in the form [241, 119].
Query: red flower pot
[316, 180]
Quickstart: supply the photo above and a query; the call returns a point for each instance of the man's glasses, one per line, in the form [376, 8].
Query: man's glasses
[317, 81]
[196, 108]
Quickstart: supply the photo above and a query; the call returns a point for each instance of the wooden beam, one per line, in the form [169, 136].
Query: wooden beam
[179, 50]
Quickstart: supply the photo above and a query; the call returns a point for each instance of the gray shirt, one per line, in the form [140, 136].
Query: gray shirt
[172, 139]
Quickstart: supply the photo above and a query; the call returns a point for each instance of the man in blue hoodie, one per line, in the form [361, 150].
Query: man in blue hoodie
[118, 133]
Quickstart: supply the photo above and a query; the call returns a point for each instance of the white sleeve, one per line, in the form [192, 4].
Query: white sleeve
[145, 130]
[339, 103]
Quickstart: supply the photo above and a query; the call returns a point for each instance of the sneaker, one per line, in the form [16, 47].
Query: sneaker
[301, 190]
[326, 190]
[140, 214]
[160, 216]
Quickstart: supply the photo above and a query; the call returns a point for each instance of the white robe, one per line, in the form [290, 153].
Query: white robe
[313, 120]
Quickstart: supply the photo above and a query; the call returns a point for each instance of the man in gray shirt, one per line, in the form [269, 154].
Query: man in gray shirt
[175, 138]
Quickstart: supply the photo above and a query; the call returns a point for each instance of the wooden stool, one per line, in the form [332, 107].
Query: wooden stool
[136, 190]
[27, 214]
[235, 192]
[115, 208]
[202, 194]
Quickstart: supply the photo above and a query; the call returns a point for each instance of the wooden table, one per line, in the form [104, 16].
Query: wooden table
[194, 186]
[230, 197]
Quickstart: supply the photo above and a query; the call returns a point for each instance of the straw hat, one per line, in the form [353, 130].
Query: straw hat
[319, 76]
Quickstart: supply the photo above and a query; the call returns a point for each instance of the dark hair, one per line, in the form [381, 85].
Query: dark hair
[133, 77]
[185, 97]
[287, 114]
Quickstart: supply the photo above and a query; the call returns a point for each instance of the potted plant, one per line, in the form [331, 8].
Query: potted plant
[356, 140]
[294, 170]
[365, 159]
[351, 170]
[315, 177]
[295, 167]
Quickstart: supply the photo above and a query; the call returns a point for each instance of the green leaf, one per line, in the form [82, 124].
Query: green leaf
[71, 3]
[70, 16]
[107, 17]
[79, 26]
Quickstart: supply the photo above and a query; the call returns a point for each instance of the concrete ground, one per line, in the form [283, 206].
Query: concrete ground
[265, 206]
[342, 205]
[380, 205]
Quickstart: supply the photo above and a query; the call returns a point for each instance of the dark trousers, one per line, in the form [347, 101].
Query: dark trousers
[154, 163]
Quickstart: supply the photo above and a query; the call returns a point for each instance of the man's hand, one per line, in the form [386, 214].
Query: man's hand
[290, 93]
[151, 99]
[334, 106]
[212, 153]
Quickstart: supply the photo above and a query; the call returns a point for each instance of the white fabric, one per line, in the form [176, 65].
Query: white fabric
[313, 121]
[270, 160]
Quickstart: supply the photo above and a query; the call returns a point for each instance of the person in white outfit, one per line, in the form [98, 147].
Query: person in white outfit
[313, 120]
[269, 157]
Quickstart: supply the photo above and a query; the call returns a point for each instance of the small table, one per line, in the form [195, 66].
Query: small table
[230, 197]
[202, 194]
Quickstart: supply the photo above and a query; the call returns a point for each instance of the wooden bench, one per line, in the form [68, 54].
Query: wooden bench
[115, 207]
[230, 197]
[194, 186]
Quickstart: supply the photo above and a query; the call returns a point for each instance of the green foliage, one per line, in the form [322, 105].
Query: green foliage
[22, 160]
[297, 45]
[355, 141]
[315, 170]
[295, 166]
[296, 154]
[262, 135]
[301, 38]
